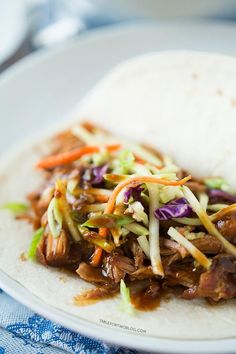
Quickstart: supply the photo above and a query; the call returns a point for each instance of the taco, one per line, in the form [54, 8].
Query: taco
[105, 224]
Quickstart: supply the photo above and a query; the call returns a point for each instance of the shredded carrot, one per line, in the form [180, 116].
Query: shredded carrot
[134, 181]
[139, 159]
[101, 198]
[70, 156]
[114, 178]
[89, 126]
[97, 255]
[143, 162]
[221, 213]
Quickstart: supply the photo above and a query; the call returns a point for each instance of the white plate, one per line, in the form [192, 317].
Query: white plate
[12, 26]
[45, 87]
[159, 8]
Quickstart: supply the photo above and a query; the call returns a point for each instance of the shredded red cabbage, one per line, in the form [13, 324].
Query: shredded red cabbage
[98, 173]
[134, 192]
[216, 194]
[95, 174]
[177, 208]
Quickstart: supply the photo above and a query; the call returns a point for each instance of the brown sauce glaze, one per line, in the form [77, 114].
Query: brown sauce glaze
[147, 297]
[92, 296]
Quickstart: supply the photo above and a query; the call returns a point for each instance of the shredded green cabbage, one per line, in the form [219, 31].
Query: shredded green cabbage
[71, 185]
[154, 243]
[188, 221]
[216, 207]
[194, 235]
[144, 244]
[16, 208]
[206, 220]
[108, 220]
[92, 208]
[137, 229]
[187, 231]
[169, 165]
[100, 158]
[168, 193]
[125, 297]
[217, 183]
[198, 255]
[80, 132]
[137, 211]
[54, 218]
[203, 200]
[65, 210]
[153, 191]
[105, 245]
[34, 243]
[126, 161]
[159, 173]
[124, 232]
[141, 152]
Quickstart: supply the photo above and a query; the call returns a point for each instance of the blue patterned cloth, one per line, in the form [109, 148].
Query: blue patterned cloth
[22, 331]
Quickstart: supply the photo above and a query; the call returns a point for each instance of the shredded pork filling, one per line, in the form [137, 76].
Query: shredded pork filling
[94, 208]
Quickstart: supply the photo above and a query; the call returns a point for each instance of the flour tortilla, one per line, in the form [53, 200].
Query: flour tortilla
[182, 103]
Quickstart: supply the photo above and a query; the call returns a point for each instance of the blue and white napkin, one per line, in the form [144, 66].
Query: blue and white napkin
[22, 331]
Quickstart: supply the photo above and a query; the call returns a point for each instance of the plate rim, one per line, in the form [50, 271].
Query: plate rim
[130, 340]
[107, 31]
[109, 335]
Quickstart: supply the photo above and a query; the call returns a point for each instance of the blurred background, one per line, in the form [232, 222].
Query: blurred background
[30, 25]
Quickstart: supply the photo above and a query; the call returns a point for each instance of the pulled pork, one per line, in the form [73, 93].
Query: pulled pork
[60, 252]
[227, 226]
[219, 282]
[86, 193]
[117, 266]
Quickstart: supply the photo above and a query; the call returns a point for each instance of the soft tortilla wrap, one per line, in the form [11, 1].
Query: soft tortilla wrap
[185, 105]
